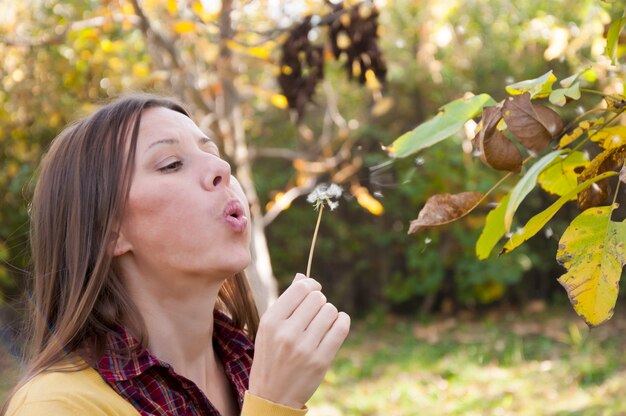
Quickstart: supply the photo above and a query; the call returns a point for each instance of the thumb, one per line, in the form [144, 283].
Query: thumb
[299, 276]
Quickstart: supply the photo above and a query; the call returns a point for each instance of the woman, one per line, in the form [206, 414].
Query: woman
[139, 237]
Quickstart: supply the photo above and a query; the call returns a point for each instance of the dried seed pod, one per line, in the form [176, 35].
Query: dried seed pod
[302, 67]
[354, 37]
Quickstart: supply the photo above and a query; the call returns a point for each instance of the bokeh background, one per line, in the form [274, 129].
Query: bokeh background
[436, 331]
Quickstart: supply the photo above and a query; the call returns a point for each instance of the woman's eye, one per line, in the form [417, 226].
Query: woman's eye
[171, 167]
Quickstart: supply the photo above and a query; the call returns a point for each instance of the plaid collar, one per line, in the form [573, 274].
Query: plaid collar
[126, 358]
[154, 388]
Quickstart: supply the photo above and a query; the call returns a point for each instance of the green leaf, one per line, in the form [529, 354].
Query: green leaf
[448, 121]
[569, 81]
[592, 249]
[559, 96]
[537, 88]
[612, 38]
[525, 185]
[537, 222]
[561, 177]
[493, 230]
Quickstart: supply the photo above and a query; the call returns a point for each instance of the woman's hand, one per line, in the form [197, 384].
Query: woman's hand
[297, 340]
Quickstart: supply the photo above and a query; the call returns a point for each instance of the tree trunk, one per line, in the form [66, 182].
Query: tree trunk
[260, 273]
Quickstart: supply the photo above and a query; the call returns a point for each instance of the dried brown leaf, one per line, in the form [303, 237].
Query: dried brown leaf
[615, 103]
[595, 195]
[534, 126]
[495, 149]
[444, 208]
[550, 119]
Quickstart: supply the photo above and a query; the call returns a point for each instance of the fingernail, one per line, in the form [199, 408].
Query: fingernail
[299, 276]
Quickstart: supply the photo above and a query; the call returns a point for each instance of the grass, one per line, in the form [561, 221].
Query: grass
[506, 363]
[545, 362]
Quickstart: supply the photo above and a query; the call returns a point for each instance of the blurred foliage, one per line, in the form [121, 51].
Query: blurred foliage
[59, 59]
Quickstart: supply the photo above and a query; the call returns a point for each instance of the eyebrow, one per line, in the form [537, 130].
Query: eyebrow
[202, 141]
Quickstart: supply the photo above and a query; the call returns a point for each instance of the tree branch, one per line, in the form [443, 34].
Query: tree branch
[287, 199]
[276, 153]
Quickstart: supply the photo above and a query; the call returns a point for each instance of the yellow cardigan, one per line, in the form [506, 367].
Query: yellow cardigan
[84, 392]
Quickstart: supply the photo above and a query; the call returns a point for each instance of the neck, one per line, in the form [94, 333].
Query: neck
[178, 314]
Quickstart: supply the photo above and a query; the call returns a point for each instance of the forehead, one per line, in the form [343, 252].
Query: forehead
[162, 123]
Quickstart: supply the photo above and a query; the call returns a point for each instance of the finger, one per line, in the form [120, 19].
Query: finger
[335, 336]
[321, 323]
[299, 276]
[307, 310]
[292, 297]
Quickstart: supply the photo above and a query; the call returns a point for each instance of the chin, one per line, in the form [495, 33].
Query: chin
[240, 265]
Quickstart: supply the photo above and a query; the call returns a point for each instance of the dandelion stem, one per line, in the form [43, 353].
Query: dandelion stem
[317, 227]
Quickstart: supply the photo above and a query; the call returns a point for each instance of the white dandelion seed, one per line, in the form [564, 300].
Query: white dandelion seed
[324, 194]
[320, 196]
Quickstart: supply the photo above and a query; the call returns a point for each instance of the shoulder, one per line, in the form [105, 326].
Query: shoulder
[78, 392]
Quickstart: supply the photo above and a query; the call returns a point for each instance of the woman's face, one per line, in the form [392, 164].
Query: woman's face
[185, 212]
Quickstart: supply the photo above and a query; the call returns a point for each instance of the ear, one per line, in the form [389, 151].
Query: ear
[121, 245]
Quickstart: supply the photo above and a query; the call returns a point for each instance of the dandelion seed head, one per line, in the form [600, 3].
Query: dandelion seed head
[324, 194]
[334, 191]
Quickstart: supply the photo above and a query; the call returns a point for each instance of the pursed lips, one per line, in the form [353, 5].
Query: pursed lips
[234, 215]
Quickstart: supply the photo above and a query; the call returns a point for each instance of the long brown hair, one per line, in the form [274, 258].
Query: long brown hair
[76, 210]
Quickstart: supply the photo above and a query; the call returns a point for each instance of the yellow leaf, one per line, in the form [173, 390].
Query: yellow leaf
[592, 249]
[197, 8]
[356, 68]
[537, 88]
[560, 178]
[610, 137]
[367, 201]
[261, 52]
[278, 201]
[583, 127]
[371, 81]
[184, 26]
[280, 101]
[141, 69]
[151, 4]
[128, 9]
[116, 64]
[172, 7]
[106, 45]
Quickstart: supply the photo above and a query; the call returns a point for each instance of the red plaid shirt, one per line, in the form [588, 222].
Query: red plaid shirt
[153, 387]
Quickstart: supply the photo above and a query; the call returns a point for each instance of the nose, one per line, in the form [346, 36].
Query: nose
[216, 174]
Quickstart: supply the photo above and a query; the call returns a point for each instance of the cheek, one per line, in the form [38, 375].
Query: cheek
[151, 212]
